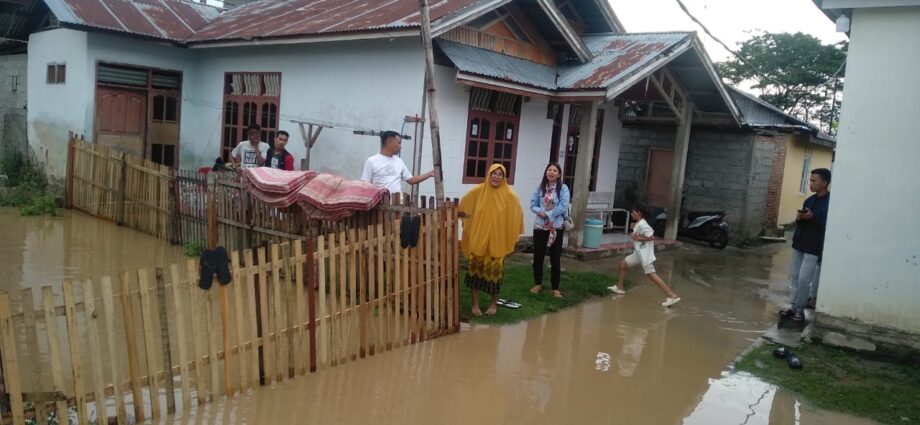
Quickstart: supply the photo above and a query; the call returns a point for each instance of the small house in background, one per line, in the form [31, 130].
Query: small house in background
[753, 172]
[869, 294]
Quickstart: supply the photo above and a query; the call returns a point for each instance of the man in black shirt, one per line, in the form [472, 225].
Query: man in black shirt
[808, 244]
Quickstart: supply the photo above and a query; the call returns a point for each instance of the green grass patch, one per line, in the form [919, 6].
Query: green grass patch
[25, 187]
[577, 287]
[842, 381]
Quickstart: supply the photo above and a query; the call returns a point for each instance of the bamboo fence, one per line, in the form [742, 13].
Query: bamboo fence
[150, 343]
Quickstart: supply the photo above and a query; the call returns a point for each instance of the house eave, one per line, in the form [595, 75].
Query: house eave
[522, 89]
[307, 39]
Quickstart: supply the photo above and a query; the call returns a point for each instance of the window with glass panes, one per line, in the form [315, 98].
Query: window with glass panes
[250, 98]
[492, 133]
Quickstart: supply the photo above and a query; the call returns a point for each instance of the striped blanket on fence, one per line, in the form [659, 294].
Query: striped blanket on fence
[322, 196]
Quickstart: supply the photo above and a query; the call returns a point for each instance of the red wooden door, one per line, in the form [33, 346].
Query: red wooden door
[658, 182]
[121, 119]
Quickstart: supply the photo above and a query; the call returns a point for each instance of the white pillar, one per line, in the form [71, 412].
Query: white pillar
[587, 134]
[678, 169]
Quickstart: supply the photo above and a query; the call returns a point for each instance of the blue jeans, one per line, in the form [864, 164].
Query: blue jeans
[803, 278]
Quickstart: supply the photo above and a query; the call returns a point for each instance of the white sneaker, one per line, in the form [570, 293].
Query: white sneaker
[670, 301]
[616, 290]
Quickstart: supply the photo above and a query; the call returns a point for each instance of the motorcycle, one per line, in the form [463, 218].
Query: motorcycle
[707, 226]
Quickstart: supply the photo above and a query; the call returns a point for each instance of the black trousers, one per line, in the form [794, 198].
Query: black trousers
[540, 237]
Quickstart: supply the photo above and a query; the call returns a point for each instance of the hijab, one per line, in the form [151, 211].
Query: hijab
[495, 219]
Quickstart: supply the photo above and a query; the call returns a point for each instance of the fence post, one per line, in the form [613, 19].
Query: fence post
[122, 190]
[311, 295]
[68, 194]
[10, 363]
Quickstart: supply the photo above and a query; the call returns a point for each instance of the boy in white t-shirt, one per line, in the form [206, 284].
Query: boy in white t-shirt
[388, 170]
[643, 237]
[251, 153]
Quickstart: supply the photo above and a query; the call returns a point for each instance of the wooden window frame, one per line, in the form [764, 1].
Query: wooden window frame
[494, 118]
[268, 132]
[56, 73]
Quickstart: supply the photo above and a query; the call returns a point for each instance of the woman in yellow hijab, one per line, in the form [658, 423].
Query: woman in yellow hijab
[492, 222]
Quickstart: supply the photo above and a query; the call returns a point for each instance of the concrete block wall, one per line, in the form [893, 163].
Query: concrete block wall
[13, 127]
[726, 170]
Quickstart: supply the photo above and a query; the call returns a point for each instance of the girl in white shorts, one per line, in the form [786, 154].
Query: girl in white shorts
[643, 237]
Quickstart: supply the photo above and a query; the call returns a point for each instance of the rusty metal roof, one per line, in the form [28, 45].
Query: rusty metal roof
[617, 56]
[487, 63]
[173, 20]
[297, 18]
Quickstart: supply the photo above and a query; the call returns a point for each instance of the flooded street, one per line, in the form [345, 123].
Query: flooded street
[39, 251]
[612, 360]
[615, 360]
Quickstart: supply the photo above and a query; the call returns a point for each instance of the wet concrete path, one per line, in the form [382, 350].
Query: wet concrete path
[610, 361]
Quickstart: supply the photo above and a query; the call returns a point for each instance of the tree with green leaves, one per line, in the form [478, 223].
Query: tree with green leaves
[794, 72]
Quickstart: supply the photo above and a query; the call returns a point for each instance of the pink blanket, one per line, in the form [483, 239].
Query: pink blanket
[322, 196]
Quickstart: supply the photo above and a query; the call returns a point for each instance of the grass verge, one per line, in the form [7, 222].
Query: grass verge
[841, 381]
[577, 287]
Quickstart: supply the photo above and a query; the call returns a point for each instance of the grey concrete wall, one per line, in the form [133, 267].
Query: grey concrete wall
[13, 125]
[726, 170]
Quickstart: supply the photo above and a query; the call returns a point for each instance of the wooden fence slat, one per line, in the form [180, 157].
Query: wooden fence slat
[252, 337]
[147, 318]
[334, 335]
[278, 322]
[288, 314]
[361, 269]
[213, 343]
[179, 290]
[10, 360]
[302, 338]
[199, 337]
[134, 370]
[322, 323]
[54, 350]
[73, 336]
[108, 305]
[92, 327]
[31, 329]
[267, 346]
[165, 342]
[238, 278]
[406, 293]
[226, 336]
[353, 307]
[343, 295]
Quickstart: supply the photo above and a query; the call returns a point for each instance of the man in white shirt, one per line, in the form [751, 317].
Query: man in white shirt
[251, 153]
[386, 169]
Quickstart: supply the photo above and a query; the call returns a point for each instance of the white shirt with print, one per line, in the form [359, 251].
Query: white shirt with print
[644, 249]
[247, 153]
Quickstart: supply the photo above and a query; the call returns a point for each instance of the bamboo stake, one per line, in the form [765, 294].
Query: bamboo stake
[199, 337]
[10, 360]
[149, 342]
[432, 104]
[108, 304]
[165, 342]
[323, 323]
[73, 336]
[92, 327]
[178, 299]
[127, 309]
[250, 289]
[239, 319]
[267, 353]
[278, 314]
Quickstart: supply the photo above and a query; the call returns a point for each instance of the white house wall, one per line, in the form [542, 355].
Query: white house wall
[533, 150]
[872, 253]
[370, 84]
[55, 109]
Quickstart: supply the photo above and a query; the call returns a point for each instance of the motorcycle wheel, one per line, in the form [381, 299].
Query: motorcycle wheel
[718, 238]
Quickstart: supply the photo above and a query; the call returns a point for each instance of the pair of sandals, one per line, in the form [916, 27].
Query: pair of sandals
[212, 262]
[792, 360]
[537, 288]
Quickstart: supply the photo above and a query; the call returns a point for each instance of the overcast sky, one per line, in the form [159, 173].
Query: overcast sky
[730, 20]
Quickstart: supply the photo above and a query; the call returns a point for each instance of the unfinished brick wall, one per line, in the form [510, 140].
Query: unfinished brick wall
[775, 189]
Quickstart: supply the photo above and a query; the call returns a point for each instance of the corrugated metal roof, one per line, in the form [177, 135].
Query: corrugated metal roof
[617, 56]
[486, 63]
[293, 18]
[757, 112]
[173, 20]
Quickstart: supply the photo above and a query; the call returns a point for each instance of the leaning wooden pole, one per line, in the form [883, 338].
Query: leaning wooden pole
[432, 105]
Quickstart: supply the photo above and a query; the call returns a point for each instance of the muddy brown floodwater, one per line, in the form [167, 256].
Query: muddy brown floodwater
[623, 360]
[620, 360]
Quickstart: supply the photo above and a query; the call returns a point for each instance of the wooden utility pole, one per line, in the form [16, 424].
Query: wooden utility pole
[432, 105]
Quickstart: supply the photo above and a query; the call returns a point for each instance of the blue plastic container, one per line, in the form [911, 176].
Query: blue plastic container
[594, 231]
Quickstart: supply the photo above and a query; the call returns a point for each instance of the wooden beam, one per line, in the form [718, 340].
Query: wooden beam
[309, 139]
[432, 104]
[668, 87]
[583, 163]
[678, 168]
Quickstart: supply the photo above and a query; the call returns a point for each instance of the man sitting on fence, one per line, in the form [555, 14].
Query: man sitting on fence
[251, 153]
[386, 169]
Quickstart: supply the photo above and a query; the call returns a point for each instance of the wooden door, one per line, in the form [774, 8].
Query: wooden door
[658, 180]
[121, 119]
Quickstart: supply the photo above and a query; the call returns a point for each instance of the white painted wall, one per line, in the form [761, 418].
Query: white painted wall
[872, 252]
[533, 149]
[371, 84]
[55, 109]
